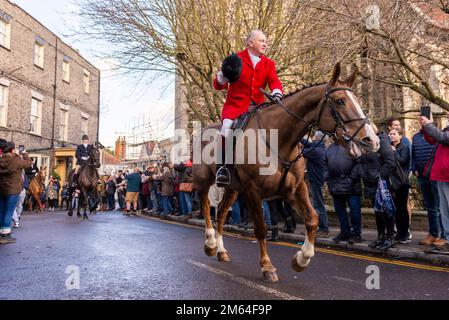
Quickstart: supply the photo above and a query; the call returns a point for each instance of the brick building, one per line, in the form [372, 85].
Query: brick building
[49, 94]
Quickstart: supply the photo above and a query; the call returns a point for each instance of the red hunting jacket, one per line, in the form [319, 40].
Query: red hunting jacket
[246, 88]
[438, 164]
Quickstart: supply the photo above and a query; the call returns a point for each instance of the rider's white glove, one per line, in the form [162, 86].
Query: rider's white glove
[221, 78]
[84, 158]
[277, 95]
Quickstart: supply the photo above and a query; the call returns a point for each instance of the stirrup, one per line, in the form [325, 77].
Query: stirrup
[223, 171]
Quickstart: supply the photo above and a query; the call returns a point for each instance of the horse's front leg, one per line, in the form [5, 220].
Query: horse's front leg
[229, 198]
[210, 244]
[254, 203]
[302, 204]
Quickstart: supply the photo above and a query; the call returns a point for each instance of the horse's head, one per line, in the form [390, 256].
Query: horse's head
[341, 116]
[95, 157]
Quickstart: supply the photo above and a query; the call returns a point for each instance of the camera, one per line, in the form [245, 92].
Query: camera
[21, 148]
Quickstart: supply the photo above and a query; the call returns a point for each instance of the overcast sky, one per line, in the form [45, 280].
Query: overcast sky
[125, 104]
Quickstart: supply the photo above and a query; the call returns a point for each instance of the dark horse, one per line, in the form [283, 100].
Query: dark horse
[87, 182]
[331, 107]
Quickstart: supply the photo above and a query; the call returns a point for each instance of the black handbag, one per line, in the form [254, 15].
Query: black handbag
[398, 178]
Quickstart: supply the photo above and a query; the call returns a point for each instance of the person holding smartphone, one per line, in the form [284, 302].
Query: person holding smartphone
[421, 153]
[437, 169]
[11, 185]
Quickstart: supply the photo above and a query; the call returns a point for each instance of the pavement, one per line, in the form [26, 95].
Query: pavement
[112, 256]
[409, 251]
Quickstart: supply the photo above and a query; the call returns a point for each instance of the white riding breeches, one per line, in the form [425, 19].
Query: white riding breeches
[225, 128]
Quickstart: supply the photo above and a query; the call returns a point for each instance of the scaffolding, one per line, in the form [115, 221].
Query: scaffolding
[142, 130]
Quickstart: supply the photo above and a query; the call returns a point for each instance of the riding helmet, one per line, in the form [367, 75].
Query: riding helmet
[232, 67]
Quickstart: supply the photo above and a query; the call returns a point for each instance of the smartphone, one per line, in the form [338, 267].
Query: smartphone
[21, 148]
[425, 111]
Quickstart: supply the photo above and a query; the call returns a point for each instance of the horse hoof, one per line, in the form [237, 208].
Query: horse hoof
[223, 257]
[296, 266]
[270, 276]
[210, 251]
[70, 214]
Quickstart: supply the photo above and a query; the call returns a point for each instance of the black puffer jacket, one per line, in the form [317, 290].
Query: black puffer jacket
[343, 172]
[403, 156]
[377, 163]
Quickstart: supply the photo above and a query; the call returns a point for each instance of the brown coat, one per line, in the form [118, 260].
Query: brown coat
[11, 166]
[168, 182]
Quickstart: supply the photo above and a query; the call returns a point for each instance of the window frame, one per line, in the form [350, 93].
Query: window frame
[38, 126]
[64, 124]
[39, 54]
[6, 43]
[84, 120]
[66, 71]
[4, 105]
[86, 81]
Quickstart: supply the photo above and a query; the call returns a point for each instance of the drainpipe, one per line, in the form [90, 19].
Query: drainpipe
[52, 156]
[98, 113]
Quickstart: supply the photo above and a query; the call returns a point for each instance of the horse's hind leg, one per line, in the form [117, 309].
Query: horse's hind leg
[229, 198]
[210, 245]
[254, 203]
[302, 204]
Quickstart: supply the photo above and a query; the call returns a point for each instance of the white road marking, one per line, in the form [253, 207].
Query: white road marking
[253, 285]
[345, 279]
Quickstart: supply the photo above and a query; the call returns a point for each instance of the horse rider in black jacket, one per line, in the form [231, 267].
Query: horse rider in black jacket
[83, 152]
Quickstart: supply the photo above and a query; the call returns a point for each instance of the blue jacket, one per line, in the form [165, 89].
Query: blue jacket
[315, 154]
[134, 181]
[421, 152]
[343, 172]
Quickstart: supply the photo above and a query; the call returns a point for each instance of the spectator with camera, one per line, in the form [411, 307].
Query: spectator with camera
[421, 153]
[11, 166]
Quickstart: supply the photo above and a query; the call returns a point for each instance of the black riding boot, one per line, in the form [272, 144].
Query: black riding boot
[74, 179]
[92, 204]
[288, 226]
[223, 175]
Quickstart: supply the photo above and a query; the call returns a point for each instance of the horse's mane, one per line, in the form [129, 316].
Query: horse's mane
[301, 88]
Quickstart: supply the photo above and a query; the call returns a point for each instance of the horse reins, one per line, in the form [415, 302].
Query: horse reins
[339, 133]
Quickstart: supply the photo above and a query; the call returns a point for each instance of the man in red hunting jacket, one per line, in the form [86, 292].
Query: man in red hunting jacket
[243, 80]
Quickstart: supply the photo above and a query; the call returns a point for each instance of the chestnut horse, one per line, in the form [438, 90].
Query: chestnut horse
[35, 189]
[331, 108]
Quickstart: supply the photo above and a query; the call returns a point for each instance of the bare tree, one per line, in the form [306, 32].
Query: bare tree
[403, 43]
[192, 37]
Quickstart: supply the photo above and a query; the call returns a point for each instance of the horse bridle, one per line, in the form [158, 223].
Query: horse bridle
[340, 132]
[93, 160]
